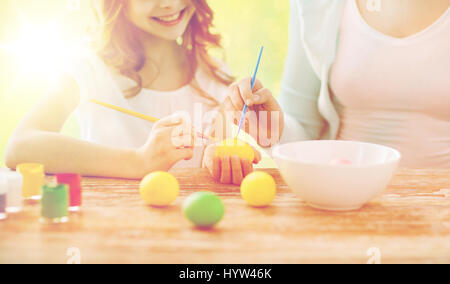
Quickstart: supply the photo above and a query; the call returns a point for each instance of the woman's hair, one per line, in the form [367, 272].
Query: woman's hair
[118, 45]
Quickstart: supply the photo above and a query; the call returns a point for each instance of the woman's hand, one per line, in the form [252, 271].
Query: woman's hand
[228, 170]
[170, 141]
[263, 112]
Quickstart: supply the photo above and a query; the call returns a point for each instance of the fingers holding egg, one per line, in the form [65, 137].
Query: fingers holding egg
[236, 170]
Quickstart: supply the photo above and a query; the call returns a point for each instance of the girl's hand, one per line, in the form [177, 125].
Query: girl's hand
[170, 141]
[262, 104]
[228, 170]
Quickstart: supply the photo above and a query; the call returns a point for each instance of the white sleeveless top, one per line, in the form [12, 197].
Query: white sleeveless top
[109, 127]
[395, 92]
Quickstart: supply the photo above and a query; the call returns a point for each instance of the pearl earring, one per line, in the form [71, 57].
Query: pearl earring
[179, 40]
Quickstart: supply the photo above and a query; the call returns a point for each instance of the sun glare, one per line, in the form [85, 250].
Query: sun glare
[41, 50]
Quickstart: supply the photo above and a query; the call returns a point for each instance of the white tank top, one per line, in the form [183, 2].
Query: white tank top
[109, 127]
[395, 92]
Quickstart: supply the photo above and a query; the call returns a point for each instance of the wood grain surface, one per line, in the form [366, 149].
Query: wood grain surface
[408, 223]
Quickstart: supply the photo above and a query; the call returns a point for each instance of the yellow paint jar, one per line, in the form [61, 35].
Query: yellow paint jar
[33, 180]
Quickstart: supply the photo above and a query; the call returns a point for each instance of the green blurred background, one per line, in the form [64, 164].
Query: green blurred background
[244, 25]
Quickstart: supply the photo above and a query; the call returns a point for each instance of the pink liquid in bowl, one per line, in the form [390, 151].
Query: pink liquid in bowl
[341, 161]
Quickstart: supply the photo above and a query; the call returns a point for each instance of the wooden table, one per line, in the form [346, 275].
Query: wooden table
[409, 223]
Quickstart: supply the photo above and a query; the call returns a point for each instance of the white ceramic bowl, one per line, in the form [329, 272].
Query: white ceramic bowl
[313, 170]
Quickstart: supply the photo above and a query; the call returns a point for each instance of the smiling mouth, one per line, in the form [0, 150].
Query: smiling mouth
[170, 20]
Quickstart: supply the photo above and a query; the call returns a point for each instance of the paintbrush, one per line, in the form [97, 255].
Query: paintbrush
[142, 116]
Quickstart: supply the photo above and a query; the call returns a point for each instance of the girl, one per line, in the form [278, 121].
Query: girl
[150, 56]
[371, 70]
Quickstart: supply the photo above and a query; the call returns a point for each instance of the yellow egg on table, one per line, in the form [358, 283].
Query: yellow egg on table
[258, 189]
[235, 147]
[159, 189]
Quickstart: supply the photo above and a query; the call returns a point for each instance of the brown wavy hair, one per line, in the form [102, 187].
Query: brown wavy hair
[118, 46]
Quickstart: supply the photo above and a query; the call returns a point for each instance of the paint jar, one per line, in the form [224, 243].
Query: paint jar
[55, 204]
[14, 196]
[33, 180]
[73, 181]
[3, 192]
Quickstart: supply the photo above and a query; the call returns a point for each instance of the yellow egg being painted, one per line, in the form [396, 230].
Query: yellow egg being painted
[235, 147]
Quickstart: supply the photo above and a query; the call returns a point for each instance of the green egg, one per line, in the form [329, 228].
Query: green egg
[203, 209]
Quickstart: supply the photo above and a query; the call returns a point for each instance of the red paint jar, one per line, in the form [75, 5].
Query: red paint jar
[73, 181]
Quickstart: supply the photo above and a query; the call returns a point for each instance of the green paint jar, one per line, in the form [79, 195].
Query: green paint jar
[55, 203]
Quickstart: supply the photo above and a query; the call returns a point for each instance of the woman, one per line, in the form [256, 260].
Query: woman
[375, 71]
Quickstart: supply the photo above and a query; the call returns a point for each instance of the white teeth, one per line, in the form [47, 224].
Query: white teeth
[169, 18]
